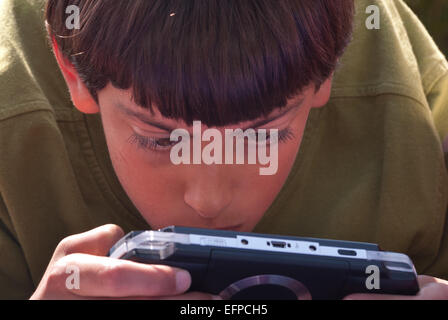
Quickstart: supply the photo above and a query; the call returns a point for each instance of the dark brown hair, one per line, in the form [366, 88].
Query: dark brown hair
[221, 62]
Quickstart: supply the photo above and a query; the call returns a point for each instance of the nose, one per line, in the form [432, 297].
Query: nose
[209, 191]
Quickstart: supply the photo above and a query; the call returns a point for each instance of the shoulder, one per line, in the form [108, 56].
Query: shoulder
[30, 79]
[399, 58]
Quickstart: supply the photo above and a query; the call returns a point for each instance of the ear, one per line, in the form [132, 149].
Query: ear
[322, 96]
[81, 97]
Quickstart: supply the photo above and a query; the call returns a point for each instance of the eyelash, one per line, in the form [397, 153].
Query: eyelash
[149, 143]
[152, 144]
[285, 135]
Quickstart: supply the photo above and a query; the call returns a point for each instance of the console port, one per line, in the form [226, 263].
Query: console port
[278, 244]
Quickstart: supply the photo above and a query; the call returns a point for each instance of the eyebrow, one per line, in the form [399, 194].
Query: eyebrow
[262, 122]
[144, 118]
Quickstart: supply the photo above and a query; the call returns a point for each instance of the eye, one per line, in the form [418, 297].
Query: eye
[286, 135]
[283, 135]
[154, 144]
[164, 142]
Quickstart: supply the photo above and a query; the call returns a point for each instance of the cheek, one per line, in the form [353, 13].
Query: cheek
[144, 175]
[155, 192]
[266, 188]
[258, 192]
[141, 178]
[286, 156]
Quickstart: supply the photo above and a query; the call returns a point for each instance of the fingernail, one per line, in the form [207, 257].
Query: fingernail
[216, 298]
[182, 281]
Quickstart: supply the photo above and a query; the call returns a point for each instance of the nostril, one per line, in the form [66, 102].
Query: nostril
[207, 207]
[208, 212]
[209, 193]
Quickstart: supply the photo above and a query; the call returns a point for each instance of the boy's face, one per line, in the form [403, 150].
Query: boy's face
[218, 196]
[196, 195]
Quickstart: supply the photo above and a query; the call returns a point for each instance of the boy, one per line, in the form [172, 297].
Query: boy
[364, 165]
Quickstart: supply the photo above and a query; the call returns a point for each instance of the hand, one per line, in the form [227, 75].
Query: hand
[430, 289]
[101, 277]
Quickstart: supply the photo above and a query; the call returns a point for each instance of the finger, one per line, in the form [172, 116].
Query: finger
[425, 280]
[186, 296]
[435, 290]
[376, 296]
[95, 242]
[192, 296]
[107, 277]
[430, 289]
[427, 285]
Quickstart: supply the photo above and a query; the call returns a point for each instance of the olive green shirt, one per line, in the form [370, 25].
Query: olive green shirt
[370, 168]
